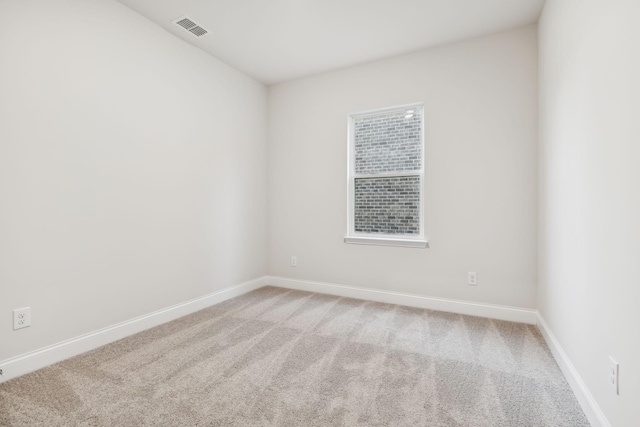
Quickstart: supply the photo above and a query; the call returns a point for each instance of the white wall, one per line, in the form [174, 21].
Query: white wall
[589, 274]
[132, 170]
[481, 171]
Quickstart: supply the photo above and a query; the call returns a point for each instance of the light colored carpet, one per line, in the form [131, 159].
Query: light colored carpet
[277, 357]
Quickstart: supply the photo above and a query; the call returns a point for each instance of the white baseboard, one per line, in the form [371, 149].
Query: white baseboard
[46, 356]
[589, 405]
[500, 312]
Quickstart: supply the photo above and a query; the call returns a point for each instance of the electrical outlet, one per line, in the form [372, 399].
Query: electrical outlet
[294, 261]
[614, 369]
[472, 278]
[21, 318]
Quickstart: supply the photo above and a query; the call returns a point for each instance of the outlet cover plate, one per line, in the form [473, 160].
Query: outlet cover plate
[614, 369]
[21, 318]
[472, 278]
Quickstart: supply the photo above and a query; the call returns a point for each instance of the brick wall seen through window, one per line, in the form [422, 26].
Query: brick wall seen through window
[386, 172]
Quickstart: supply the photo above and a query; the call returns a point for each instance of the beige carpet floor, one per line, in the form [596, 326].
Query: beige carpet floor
[276, 357]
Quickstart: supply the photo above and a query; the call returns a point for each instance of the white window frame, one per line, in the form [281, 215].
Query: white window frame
[414, 241]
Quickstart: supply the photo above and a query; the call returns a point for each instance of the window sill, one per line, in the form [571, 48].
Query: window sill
[387, 241]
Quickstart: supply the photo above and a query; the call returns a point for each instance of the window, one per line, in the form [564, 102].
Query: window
[386, 177]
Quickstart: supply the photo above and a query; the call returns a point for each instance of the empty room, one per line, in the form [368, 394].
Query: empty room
[320, 213]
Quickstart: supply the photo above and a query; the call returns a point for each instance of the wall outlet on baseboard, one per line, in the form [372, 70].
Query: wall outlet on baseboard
[294, 261]
[472, 278]
[614, 369]
[21, 318]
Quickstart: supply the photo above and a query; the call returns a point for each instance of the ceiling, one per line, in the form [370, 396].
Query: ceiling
[279, 40]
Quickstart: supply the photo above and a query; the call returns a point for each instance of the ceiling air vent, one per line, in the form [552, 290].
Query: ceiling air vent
[190, 26]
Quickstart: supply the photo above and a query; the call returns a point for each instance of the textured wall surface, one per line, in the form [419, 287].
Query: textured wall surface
[388, 205]
[385, 143]
[389, 142]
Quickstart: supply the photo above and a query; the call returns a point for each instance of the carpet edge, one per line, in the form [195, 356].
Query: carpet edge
[492, 311]
[586, 400]
[40, 358]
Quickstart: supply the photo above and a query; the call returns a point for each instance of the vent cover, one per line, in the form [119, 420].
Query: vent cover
[188, 25]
